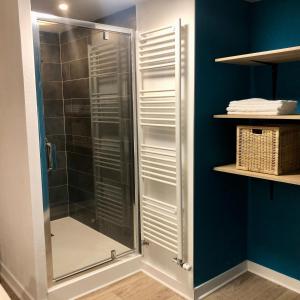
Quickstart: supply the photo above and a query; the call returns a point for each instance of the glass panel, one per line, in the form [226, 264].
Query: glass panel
[86, 79]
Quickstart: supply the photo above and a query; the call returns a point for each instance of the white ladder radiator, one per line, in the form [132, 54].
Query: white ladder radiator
[159, 114]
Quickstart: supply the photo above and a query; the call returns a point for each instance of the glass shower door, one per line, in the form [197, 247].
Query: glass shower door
[88, 112]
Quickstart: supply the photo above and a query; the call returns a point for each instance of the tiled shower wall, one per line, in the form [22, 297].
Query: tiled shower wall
[54, 121]
[75, 71]
[64, 65]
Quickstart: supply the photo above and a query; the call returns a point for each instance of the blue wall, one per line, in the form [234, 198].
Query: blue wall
[274, 225]
[236, 218]
[275, 24]
[220, 200]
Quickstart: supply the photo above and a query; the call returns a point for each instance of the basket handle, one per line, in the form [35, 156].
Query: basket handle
[257, 131]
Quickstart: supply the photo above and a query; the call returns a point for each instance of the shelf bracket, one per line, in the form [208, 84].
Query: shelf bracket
[274, 76]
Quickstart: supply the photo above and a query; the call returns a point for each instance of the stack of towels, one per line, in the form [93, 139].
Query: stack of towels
[259, 106]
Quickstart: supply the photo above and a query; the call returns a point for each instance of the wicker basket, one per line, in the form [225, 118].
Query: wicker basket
[268, 149]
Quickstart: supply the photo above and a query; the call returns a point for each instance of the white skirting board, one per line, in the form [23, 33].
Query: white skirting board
[219, 281]
[14, 284]
[276, 277]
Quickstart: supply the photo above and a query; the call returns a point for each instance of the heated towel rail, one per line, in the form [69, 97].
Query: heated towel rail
[159, 57]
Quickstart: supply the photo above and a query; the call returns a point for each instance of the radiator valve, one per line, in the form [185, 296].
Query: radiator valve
[184, 265]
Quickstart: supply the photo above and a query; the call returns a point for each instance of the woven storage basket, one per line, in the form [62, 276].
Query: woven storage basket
[268, 149]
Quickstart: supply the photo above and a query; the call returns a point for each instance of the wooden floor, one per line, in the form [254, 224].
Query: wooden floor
[252, 287]
[141, 287]
[136, 287]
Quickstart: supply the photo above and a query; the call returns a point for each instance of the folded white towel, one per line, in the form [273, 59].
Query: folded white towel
[263, 106]
[260, 113]
[257, 101]
[251, 101]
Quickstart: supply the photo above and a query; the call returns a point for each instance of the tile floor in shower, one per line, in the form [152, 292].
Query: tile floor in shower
[76, 246]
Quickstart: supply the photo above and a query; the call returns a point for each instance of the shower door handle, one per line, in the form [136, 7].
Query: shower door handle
[51, 155]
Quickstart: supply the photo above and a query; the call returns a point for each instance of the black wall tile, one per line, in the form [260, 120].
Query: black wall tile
[52, 90]
[49, 38]
[54, 126]
[79, 69]
[75, 69]
[53, 108]
[82, 163]
[78, 126]
[76, 89]
[58, 195]
[74, 50]
[82, 198]
[57, 177]
[50, 53]
[51, 71]
[82, 180]
[80, 144]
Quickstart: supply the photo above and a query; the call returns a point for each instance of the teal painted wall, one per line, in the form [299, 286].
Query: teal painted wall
[274, 225]
[220, 200]
[236, 218]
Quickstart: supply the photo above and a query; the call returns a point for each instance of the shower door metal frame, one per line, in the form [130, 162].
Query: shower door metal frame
[36, 16]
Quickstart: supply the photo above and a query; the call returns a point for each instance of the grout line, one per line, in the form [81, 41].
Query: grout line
[58, 186]
[80, 154]
[82, 190]
[74, 60]
[52, 63]
[81, 172]
[76, 79]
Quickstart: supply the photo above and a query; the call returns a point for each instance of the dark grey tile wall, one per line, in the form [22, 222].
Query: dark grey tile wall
[54, 122]
[75, 74]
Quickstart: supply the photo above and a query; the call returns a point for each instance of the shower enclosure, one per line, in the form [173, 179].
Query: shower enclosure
[87, 119]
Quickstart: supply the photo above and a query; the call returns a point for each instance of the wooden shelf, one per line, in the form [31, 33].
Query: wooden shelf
[267, 57]
[261, 117]
[290, 178]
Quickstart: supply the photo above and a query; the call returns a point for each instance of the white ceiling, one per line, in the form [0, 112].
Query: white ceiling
[88, 10]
